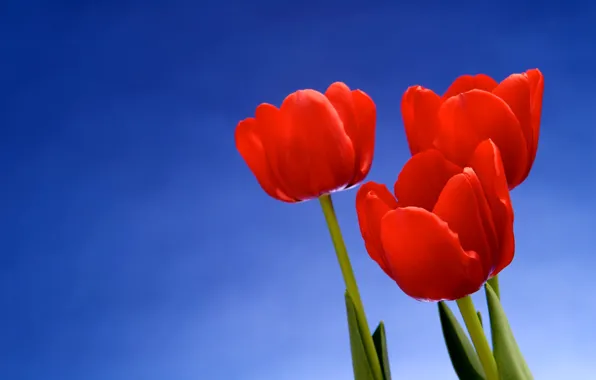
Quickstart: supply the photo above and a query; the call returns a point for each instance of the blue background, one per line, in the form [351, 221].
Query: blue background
[135, 243]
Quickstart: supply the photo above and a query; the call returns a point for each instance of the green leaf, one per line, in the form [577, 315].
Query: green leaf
[463, 356]
[360, 363]
[380, 341]
[480, 318]
[510, 361]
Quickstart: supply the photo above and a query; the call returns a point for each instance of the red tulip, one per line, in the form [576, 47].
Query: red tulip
[312, 145]
[476, 108]
[450, 229]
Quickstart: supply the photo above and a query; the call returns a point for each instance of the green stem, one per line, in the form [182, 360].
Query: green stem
[494, 283]
[350, 281]
[468, 312]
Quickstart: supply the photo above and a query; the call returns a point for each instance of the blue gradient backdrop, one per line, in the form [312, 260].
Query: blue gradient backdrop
[136, 245]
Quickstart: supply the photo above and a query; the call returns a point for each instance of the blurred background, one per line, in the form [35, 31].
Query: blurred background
[136, 244]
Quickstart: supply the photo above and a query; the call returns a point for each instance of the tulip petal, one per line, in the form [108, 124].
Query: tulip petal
[419, 108]
[340, 96]
[358, 114]
[251, 149]
[422, 179]
[271, 131]
[515, 91]
[467, 83]
[366, 115]
[474, 116]
[463, 207]
[488, 166]
[316, 154]
[537, 90]
[426, 258]
[373, 201]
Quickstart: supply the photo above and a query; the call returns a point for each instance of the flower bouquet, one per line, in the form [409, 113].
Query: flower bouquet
[446, 229]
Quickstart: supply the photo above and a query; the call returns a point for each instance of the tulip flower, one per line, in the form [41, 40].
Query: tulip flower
[448, 229]
[475, 108]
[312, 145]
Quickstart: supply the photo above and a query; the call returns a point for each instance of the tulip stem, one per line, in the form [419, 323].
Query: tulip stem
[468, 312]
[494, 284]
[350, 281]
